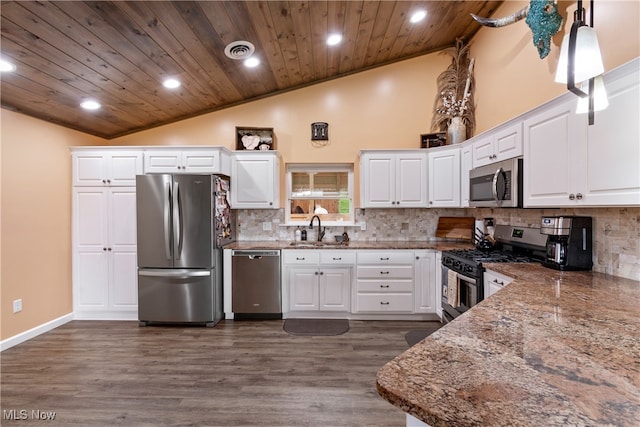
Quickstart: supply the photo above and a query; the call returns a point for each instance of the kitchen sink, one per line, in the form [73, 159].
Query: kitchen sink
[318, 244]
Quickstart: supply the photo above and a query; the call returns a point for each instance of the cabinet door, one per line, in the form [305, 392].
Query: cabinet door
[123, 288]
[90, 244]
[493, 282]
[411, 180]
[162, 161]
[378, 187]
[482, 150]
[201, 161]
[613, 147]
[425, 282]
[507, 142]
[466, 164]
[303, 289]
[89, 169]
[255, 181]
[444, 178]
[335, 287]
[550, 163]
[123, 166]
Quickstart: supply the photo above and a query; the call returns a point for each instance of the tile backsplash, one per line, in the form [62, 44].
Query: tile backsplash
[616, 230]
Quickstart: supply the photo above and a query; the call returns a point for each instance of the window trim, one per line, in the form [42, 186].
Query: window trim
[313, 168]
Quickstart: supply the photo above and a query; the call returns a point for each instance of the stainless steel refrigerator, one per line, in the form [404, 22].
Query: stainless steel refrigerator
[182, 223]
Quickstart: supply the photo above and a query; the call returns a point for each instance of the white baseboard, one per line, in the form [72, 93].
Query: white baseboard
[34, 332]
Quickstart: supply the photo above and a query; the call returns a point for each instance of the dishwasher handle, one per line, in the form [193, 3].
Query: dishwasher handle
[255, 254]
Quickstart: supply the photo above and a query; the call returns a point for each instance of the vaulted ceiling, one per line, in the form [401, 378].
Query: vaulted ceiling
[119, 52]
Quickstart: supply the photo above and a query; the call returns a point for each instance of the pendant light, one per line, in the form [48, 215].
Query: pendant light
[580, 61]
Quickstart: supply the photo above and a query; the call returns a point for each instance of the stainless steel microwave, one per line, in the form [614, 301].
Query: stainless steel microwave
[496, 185]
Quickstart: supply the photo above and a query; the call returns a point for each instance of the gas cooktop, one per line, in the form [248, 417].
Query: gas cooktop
[477, 255]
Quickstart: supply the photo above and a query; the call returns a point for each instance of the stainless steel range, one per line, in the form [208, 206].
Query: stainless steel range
[462, 269]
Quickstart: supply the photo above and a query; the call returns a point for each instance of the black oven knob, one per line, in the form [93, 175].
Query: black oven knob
[468, 269]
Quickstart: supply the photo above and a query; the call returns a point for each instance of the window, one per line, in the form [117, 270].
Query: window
[325, 190]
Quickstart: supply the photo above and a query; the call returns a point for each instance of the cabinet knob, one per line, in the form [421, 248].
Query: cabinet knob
[270, 203]
[572, 196]
[579, 196]
[316, 273]
[104, 181]
[104, 249]
[397, 203]
[109, 249]
[322, 273]
[393, 202]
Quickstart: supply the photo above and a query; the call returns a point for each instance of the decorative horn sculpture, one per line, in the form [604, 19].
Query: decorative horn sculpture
[542, 18]
[504, 21]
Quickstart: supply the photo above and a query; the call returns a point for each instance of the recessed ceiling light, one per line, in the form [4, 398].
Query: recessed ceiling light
[334, 39]
[6, 66]
[90, 104]
[171, 83]
[418, 16]
[251, 62]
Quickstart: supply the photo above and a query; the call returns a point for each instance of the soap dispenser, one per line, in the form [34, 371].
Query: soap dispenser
[298, 234]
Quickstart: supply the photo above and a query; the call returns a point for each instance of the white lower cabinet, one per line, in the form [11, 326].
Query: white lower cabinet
[425, 281]
[104, 253]
[493, 282]
[318, 280]
[385, 282]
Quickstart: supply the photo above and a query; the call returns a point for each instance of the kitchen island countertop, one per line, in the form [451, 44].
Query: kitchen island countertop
[550, 349]
[438, 245]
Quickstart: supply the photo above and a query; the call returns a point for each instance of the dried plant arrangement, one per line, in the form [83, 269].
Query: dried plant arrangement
[455, 91]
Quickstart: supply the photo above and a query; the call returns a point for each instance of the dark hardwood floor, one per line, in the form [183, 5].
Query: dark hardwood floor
[238, 373]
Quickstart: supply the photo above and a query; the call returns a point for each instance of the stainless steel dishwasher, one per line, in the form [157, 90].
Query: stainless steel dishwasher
[255, 283]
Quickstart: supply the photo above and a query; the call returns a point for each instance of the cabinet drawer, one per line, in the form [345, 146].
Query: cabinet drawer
[337, 257]
[385, 271]
[384, 302]
[385, 286]
[394, 257]
[300, 257]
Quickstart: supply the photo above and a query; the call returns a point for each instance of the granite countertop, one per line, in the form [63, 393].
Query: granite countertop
[550, 349]
[438, 245]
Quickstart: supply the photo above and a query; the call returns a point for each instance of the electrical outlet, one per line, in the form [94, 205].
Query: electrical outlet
[363, 226]
[17, 305]
[266, 226]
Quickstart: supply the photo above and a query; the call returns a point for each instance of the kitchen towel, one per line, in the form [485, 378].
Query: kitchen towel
[453, 297]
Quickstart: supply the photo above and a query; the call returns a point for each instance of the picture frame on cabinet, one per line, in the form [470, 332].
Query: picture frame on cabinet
[430, 140]
[255, 138]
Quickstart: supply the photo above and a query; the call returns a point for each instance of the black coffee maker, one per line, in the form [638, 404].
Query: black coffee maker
[569, 242]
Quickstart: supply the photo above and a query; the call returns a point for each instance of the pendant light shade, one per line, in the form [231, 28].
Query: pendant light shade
[600, 101]
[588, 61]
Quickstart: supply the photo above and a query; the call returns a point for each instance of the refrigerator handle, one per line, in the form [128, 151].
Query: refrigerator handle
[167, 218]
[177, 221]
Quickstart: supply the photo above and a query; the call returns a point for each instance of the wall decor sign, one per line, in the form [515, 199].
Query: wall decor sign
[320, 131]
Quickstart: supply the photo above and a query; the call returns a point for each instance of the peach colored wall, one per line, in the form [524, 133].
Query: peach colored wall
[512, 79]
[36, 220]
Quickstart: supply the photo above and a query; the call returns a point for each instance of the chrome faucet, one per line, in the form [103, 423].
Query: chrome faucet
[320, 229]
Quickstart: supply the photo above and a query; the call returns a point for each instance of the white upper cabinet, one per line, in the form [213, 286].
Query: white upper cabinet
[187, 160]
[504, 142]
[101, 167]
[444, 177]
[393, 179]
[255, 180]
[466, 164]
[568, 163]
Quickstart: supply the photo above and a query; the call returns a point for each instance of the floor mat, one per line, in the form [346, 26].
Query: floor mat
[316, 327]
[414, 336]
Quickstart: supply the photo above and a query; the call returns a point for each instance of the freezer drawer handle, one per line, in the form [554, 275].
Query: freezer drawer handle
[255, 256]
[179, 273]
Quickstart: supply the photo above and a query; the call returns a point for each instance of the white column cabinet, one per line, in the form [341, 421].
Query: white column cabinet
[393, 179]
[255, 180]
[568, 163]
[103, 167]
[425, 282]
[104, 253]
[444, 177]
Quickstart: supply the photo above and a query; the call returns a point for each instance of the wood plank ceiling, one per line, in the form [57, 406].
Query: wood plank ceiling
[119, 52]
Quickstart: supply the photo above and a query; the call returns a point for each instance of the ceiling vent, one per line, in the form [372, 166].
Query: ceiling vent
[239, 50]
